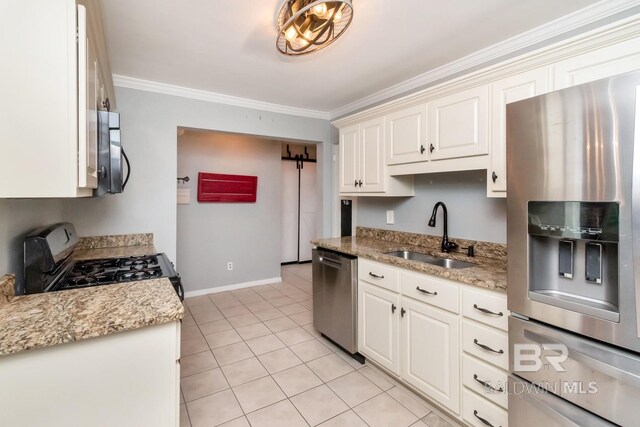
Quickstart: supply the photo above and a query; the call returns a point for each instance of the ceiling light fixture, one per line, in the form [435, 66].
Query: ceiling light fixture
[306, 26]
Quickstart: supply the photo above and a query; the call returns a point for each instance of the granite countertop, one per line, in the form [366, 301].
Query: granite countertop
[490, 273]
[35, 321]
[40, 320]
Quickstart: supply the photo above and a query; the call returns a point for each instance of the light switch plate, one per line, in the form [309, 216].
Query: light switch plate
[184, 196]
[390, 217]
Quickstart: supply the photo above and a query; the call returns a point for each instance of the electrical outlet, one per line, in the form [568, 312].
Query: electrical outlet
[390, 217]
[229, 266]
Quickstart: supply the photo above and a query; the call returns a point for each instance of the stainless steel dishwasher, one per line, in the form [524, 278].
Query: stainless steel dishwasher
[335, 298]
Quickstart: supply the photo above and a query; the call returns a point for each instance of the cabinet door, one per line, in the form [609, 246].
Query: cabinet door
[406, 137]
[510, 89]
[349, 159]
[378, 325]
[599, 64]
[431, 352]
[458, 124]
[88, 87]
[372, 162]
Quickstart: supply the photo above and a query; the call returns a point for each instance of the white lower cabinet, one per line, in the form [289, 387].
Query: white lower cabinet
[125, 379]
[418, 327]
[486, 380]
[430, 352]
[378, 325]
[480, 412]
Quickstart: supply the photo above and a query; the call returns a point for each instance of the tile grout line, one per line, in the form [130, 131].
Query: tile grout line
[305, 363]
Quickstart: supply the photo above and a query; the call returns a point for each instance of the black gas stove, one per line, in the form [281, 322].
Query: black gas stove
[118, 270]
[49, 265]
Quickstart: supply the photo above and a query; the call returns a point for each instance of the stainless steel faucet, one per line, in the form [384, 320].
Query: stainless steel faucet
[446, 246]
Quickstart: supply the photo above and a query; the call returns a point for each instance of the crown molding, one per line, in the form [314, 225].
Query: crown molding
[558, 27]
[203, 95]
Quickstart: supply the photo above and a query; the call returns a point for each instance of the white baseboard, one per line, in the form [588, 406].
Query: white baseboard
[232, 287]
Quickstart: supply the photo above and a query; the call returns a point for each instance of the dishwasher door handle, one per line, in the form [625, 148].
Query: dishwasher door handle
[330, 262]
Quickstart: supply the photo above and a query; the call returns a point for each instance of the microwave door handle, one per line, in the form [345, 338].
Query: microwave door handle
[126, 159]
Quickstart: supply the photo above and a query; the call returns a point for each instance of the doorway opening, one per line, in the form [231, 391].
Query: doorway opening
[299, 206]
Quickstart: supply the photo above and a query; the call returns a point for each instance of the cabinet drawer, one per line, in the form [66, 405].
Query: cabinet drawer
[479, 412]
[476, 372]
[379, 274]
[486, 307]
[486, 343]
[431, 290]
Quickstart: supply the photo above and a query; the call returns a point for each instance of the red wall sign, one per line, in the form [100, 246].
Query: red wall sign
[215, 187]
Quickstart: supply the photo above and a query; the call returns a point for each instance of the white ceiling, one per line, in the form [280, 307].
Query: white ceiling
[228, 47]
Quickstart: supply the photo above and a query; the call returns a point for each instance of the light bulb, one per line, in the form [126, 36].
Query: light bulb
[290, 34]
[319, 9]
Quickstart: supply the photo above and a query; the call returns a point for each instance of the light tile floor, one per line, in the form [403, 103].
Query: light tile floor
[252, 357]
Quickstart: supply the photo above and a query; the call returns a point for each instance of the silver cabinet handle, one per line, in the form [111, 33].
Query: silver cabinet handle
[486, 347]
[485, 311]
[419, 289]
[375, 276]
[487, 385]
[482, 420]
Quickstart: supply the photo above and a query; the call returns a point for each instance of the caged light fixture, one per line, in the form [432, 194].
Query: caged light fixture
[306, 26]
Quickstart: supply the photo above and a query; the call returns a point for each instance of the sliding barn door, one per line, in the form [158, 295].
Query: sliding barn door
[289, 186]
[308, 196]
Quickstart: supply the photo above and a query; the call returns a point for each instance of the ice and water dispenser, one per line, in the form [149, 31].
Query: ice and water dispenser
[574, 248]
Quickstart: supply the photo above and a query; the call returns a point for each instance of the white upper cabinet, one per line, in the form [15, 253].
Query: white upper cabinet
[598, 64]
[510, 89]
[406, 135]
[50, 93]
[89, 88]
[372, 166]
[349, 151]
[458, 124]
[362, 163]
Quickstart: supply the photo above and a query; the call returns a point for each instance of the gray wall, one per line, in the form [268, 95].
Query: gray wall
[471, 214]
[211, 234]
[149, 130]
[17, 218]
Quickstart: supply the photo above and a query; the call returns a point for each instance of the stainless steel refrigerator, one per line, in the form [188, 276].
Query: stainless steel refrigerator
[573, 162]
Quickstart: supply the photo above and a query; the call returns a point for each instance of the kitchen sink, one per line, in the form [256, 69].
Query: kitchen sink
[413, 256]
[429, 259]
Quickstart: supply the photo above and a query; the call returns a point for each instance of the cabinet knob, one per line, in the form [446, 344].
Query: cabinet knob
[402, 312]
[494, 177]
[106, 104]
[360, 183]
[355, 183]
[431, 148]
[393, 308]
[422, 149]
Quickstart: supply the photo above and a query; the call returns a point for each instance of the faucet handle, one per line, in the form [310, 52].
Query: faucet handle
[470, 251]
[449, 246]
